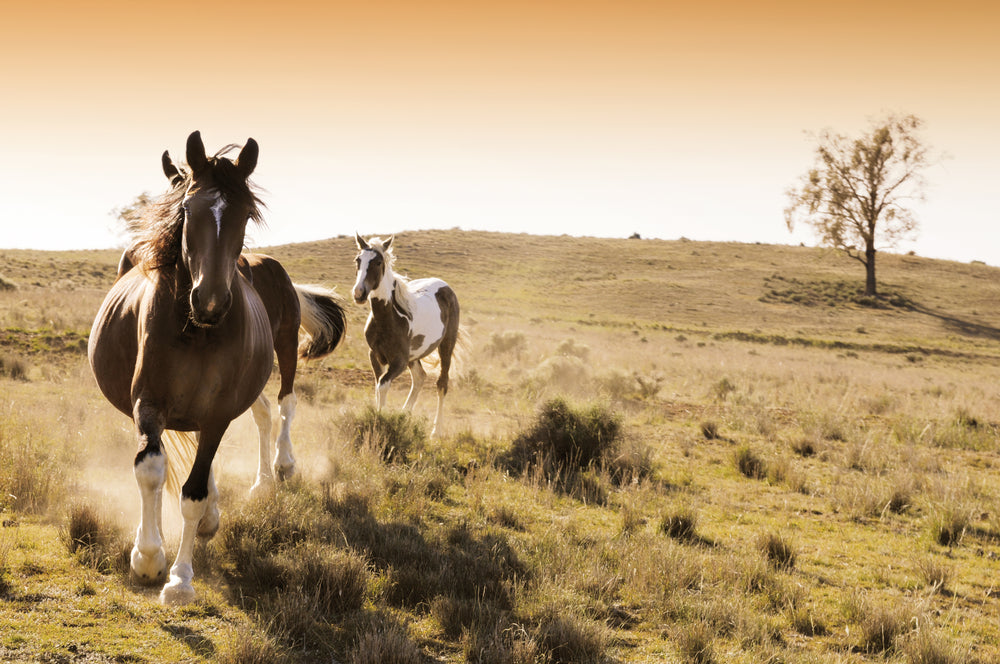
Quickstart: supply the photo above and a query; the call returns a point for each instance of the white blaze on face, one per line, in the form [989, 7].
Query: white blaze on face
[359, 283]
[217, 209]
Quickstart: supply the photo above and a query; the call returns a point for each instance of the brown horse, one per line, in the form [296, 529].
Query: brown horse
[183, 342]
[292, 308]
[409, 321]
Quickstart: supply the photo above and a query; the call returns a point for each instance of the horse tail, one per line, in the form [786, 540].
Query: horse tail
[323, 320]
[179, 448]
[463, 346]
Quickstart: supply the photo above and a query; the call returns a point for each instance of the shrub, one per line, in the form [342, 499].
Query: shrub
[562, 372]
[710, 429]
[506, 342]
[393, 435]
[97, 542]
[570, 347]
[566, 438]
[13, 367]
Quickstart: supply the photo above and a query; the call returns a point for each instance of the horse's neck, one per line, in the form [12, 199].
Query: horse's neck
[388, 285]
[394, 293]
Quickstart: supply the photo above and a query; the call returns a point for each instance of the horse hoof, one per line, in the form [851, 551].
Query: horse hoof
[284, 471]
[177, 593]
[264, 486]
[149, 570]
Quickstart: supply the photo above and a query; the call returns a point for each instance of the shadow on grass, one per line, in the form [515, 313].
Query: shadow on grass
[788, 290]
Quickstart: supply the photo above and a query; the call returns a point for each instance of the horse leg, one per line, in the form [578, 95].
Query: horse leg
[209, 523]
[284, 462]
[148, 560]
[261, 410]
[417, 376]
[395, 368]
[377, 369]
[286, 345]
[195, 501]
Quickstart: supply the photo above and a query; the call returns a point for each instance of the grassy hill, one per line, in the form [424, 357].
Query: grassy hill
[802, 474]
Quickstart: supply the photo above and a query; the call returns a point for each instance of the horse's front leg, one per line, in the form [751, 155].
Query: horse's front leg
[395, 367]
[261, 410]
[148, 560]
[198, 499]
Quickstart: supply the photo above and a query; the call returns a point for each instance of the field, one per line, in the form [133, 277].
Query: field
[795, 473]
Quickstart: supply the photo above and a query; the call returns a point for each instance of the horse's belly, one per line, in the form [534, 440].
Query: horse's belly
[427, 328]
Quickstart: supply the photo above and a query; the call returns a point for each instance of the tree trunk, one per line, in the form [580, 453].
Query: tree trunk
[870, 287]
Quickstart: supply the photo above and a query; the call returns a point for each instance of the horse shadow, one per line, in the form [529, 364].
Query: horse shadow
[199, 644]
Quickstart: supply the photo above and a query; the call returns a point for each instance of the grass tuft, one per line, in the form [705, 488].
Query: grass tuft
[749, 463]
[96, 541]
[680, 524]
[777, 550]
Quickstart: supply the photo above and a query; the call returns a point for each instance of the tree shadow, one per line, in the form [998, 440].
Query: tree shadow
[958, 325]
[788, 290]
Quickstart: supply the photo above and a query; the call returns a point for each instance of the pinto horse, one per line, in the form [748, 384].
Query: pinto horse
[409, 320]
[183, 342]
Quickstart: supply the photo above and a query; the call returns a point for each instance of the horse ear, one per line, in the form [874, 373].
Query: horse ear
[247, 161]
[196, 157]
[388, 243]
[358, 240]
[170, 170]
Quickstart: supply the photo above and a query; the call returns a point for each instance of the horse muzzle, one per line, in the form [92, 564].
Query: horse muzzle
[209, 311]
[360, 295]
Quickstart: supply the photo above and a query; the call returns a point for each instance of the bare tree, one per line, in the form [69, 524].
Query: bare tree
[856, 196]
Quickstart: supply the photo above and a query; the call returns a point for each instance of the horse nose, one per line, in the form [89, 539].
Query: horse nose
[360, 295]
[209, 309]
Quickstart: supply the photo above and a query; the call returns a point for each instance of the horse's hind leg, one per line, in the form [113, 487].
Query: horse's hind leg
[148, 560]
[286, 346]
[284, 461]
[417, 376]
[261, 410]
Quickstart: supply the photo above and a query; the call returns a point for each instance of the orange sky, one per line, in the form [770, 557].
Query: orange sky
[598, 118]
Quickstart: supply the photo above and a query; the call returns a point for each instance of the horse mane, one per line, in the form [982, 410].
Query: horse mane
[156, 229]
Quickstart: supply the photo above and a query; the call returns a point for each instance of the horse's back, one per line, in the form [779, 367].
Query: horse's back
[275, 289]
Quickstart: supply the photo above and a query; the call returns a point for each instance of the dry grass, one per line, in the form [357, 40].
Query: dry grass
[772, 459]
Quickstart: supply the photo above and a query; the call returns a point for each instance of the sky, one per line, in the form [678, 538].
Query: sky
[586, 117]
